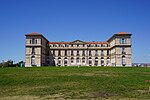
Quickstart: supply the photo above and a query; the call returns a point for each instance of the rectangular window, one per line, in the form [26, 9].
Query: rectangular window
[77, 52]
[53, 52]
[30, 41]
[33, 41]
[96, 52]
[71, 52]
[122, 41]
[123, 50]
[83, 52]
[65, 52]
[102, 52]
[90, 53]
[108, 52]
[59, 53]
[33, 50]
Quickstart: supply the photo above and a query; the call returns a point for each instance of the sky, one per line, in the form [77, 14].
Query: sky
[68, 20]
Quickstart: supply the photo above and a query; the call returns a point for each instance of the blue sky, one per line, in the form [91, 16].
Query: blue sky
[68, 20]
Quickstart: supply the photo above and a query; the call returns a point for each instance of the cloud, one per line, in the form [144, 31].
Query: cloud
[148, 54]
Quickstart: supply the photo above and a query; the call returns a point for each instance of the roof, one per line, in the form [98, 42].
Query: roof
[59, 42]
[35, 34]
[97, 42]
[84, 42]
[123, 33]
[120, 34]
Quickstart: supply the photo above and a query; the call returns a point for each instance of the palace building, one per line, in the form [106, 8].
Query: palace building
[116, 51]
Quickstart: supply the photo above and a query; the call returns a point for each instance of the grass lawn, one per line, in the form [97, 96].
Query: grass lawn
[74, 83]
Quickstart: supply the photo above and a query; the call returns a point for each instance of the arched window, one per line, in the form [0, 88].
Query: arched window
[83, 60]
[59, 61]
[96, 61]
[72, 60]
[108, 61]
[33, 60]
[102, 61]
[123, 60]
[78, 60]
[65, 61]
[90, 60]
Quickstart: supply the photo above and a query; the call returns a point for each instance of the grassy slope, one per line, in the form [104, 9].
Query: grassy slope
[74, 83]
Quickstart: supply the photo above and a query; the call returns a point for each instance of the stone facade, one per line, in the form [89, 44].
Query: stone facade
[116, 51]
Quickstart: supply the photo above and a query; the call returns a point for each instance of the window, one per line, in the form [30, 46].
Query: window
[122, 41]
[66, 45]
[33, 41]
[90, 60]
[123, 50]
[65, 61]
[83, 52]
[59, 53]
[59, 61]
[53, 52]
[72, 60]
[96, 61]
[65, 52]
[33, 50]
[77, 52]
[77, 45]
[30, 41]
[71, 45]
[53, 61]
[90, 53]
[102, 61]
[71, 52]
[33, 60]
[83, 45]
[123, 60]
[83, 60]
[108, 52]
[108, 61]
[36, 41]
[102, 52]
[96, 52]
[78, 60]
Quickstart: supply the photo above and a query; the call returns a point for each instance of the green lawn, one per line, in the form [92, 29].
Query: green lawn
[74, 83]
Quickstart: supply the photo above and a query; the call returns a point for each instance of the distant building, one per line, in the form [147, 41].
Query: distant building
[116, 51]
